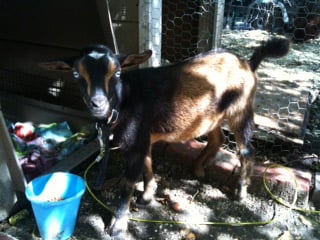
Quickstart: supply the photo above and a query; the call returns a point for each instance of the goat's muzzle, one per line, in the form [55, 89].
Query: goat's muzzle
[99, 107]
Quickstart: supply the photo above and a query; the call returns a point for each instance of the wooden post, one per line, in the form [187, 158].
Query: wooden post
[7, 150]
[218, 23]
[150, 29]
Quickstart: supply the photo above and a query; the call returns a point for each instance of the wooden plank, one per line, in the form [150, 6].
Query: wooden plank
[11, 160]
[76, 158]
[65, 24]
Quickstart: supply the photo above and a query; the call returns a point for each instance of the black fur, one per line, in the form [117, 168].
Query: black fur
[228, 98]
[276, 47]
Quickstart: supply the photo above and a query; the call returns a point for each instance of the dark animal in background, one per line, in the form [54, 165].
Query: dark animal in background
[171, 103]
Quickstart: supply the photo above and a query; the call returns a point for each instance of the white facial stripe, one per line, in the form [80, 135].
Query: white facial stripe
[96, 55]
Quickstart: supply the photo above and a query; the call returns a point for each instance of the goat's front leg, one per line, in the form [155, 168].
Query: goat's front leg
[135, 162]
[119, 223]
[215, 140]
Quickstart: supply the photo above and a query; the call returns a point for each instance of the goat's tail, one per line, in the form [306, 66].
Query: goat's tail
[276, 47]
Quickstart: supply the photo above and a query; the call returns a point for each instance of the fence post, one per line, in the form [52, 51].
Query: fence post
[218, 23]
[150, 29]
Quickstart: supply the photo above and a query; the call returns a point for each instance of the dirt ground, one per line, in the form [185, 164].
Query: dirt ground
[182, 200]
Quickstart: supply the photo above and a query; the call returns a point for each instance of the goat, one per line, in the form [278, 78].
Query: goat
[171, 103]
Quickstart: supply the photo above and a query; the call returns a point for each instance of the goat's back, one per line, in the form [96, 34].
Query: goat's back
[188, 99]
[217, 73]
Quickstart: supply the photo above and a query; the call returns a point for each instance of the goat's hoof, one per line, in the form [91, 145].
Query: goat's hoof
[119, 225]
[148, 194]
[145, 199]
[241, 192]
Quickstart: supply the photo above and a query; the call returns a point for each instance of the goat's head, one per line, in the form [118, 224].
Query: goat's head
[98, 72]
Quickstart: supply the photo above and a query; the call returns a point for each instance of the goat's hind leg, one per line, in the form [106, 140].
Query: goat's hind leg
[243, 131]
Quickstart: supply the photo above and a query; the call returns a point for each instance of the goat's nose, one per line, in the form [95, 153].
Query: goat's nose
[99, 101]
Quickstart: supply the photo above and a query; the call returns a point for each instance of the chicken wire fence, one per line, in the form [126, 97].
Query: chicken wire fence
[55, 91]
[187, 29]
[187, 25]
[297, 18]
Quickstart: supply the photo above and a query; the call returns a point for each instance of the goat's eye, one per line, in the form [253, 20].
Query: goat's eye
[76, 74]
[117, 74]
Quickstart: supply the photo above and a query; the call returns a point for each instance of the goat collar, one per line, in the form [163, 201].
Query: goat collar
[103, 136]
[113, 117]
[103, 132]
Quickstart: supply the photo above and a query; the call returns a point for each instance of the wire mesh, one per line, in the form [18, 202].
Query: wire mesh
[55, 91]
[186, 28]
[298, 18]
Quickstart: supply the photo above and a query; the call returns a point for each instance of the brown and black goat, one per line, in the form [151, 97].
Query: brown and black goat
[171, 103]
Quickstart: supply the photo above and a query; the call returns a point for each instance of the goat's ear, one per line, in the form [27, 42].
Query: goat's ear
[133, 59]
[65, 65]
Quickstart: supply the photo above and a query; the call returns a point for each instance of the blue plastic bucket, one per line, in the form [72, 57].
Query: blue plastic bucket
[55, 200]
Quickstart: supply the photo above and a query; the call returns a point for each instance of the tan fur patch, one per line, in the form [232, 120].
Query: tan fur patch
[112, 67]
[85, 74]
[202, 84]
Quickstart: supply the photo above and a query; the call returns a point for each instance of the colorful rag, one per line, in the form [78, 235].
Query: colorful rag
[39, 147]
